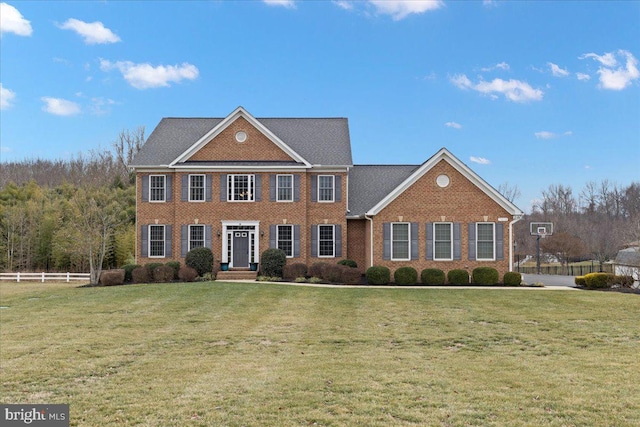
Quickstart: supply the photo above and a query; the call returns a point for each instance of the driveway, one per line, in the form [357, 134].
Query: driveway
[549, 279]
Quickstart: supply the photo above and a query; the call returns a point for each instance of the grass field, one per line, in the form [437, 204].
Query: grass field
[222, 354]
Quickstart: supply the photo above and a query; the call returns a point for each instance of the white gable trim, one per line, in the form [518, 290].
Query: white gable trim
[445, 155]
[237, 113]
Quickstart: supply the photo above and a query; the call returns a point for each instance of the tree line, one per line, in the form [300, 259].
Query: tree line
[78, 215]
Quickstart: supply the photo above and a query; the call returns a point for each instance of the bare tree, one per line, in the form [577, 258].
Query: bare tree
[126, 146]
[510, 192]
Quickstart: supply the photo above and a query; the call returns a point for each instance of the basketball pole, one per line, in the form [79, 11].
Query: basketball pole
[538, 253]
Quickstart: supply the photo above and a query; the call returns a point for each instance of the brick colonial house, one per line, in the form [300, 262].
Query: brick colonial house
[241, 184]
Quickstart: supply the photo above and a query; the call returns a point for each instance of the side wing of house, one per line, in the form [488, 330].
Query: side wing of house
[441, 215]
[240, 185]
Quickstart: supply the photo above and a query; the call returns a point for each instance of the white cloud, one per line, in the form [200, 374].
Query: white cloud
[91, 32]
[453, 125]
[489, 3]
[291, 4]
[6, 97]
[551, 135]
[502, 66]
[480, 160]
[101, 106]
[583, 76]
[557, 71]
[513, 90]
[400, 9]
[145, 76]
[343, 4]
[612, 75]
[59, 106]
[12, 21]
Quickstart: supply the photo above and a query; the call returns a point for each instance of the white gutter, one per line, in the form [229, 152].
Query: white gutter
[370, 239]
[516, 219]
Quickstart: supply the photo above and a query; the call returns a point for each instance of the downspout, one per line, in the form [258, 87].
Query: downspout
[370, 239]
[516, 219]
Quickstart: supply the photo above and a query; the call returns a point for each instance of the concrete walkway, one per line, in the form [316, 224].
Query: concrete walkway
[549, 280]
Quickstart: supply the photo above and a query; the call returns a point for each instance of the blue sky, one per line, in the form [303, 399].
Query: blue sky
[529, 93]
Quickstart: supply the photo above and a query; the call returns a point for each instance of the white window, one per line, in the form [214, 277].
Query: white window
[196, 188]
[485, 241]
[240, 188]
[400, 241]
[157, 186]
[326, 188]
[326, 241]
[443, 241]
[284, 188]
[196, 236]
[156, 241]
[285, 239]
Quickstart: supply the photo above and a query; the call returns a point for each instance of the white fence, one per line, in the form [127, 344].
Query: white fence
[42, 277]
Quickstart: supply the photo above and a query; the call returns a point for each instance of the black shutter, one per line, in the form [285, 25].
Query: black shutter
[144, 239]
[223, 188]
[338, 240]
[184, 191]
[414, 240]
[296, 241]
[208, 190]
[337, 182]
[257, 182]
[457, 241]
[472, 241]
[169, 183]
[272, 187]
[145, 188]
[168, 235]
[314, 188]
[499, 241]
[314, 240]
[296, 188]
[386, 240]
[429, 240]
[184, 240]
[273, 236]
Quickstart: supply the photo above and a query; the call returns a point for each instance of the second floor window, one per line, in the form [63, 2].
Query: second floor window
[196, 188]
[157, 188]
[325, 188]
[284, 190]
[240, 188]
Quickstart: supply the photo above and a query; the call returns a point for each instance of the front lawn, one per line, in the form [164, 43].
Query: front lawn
[221, 354]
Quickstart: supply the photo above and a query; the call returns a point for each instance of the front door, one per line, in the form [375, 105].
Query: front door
[240, 249]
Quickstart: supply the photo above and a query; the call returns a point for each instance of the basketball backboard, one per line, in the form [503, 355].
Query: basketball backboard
[541, 229]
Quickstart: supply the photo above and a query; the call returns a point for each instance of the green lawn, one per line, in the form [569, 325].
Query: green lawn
[221, 354]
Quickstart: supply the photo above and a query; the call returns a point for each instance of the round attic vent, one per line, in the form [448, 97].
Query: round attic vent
[241, 136]
[442, 181]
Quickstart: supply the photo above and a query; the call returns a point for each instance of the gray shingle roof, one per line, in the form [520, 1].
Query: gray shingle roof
[320, 141]
[629, 257]
[369, 184]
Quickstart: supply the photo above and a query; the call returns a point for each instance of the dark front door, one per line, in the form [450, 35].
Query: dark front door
[240, 249]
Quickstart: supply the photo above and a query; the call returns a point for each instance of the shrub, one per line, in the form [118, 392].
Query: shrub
[348, 262]
[163, 274]
[150, 266]
[272, 262]
[350, 275]
[187, 274]
[458, 277]
[293, 271]
[316, 269]
[300, 280]
[378, 275]
[485, 276]
[405, 276]
[512, 278]
[598, 280]
[315, 280]
[432, 276]
[580, 281]
[176, 268]
[200, 259]
[127, 271]
[140, 275]
[112, 277]
[332, 272]
[622, 281]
